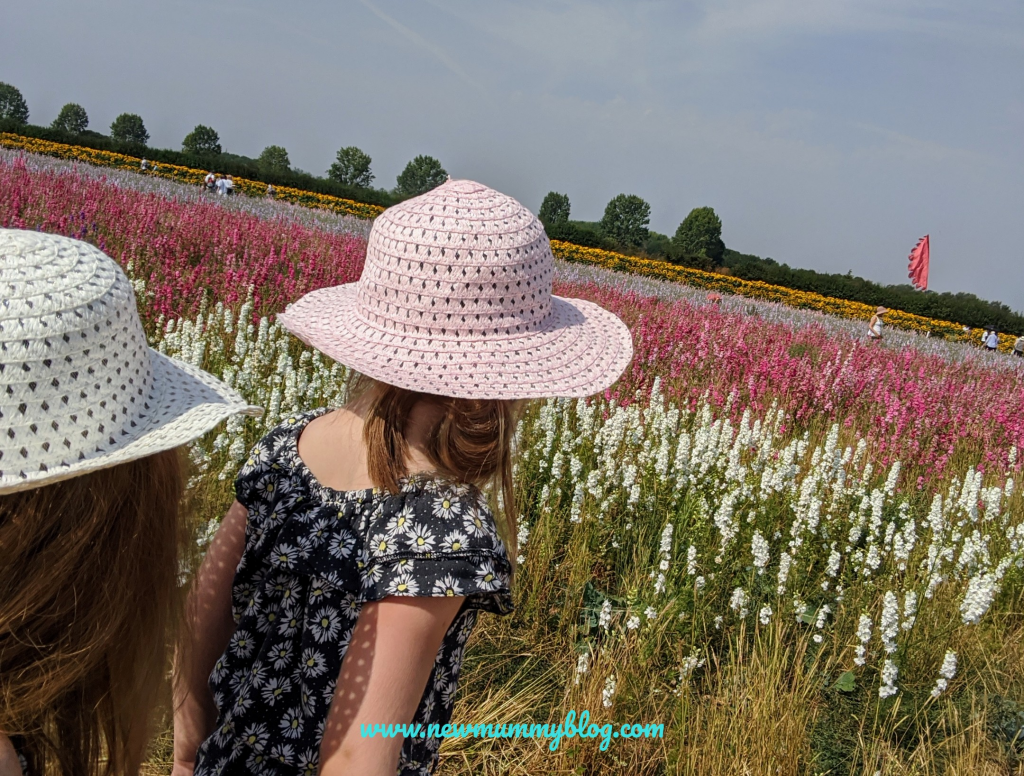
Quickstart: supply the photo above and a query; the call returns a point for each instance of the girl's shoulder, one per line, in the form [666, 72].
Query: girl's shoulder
[12, 761]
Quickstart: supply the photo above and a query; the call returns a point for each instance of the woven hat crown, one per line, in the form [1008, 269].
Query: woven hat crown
[455, 300]
[75, 369]
[462, 261]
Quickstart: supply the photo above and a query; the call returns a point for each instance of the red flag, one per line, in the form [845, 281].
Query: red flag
[919, 264]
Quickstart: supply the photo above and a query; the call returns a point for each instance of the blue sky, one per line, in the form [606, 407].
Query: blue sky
[826, 134]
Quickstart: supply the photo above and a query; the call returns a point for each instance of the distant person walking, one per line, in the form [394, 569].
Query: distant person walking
[144, 165]
[222, 186]
[984, 338]
[992, 342]
[271, 191]
[210, 181]
[1018, 347]
[229, 186]
[875, 324]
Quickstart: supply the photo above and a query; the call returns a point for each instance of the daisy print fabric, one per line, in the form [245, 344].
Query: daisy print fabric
[313, 557]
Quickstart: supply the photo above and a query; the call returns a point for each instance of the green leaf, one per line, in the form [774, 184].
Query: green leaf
[592, 597]
[846, 682]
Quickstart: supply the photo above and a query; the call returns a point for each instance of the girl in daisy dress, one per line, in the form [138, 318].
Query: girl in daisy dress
[343, 585]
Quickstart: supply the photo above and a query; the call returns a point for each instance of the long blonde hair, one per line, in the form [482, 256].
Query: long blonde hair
[88, 592]
[471, 443]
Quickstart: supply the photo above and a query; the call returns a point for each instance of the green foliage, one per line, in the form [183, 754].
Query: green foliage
[662, 247]
[590, 612]
[419, 176]
[554, 209]
[72, 118]
[625, 220]
[847, 682]
[675, 256]
[586, 233]
[226, 156]
[352, 167]
[1007, 721]
[201, 141]
[274, 157]
[835, 735]
[128, 128]
[658, 245]
[12, 104]
[700, 234]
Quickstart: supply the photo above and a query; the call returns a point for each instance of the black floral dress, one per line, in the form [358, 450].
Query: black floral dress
[313, 557]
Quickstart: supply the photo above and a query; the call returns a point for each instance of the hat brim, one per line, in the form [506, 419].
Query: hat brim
[185, 402]
[581, 349]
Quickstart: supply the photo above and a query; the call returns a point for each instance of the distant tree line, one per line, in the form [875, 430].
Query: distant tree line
[625, 226]
[697, 241]
[960, 307]
[349, 176]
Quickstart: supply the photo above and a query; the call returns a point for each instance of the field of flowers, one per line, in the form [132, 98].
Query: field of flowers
[563, 250]
[801, 553]
[188, 175]
[181, 250]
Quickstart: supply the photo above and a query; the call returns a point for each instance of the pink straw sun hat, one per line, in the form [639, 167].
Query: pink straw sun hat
[455, 299]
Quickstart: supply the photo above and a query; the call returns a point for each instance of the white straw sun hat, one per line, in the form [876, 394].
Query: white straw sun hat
[80, 389]
[455, 299]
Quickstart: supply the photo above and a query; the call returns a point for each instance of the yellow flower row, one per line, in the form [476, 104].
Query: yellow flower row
[187, 175]
[563, 250]
[757, 289]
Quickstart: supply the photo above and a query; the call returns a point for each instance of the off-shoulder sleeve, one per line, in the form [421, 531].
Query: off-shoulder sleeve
[267, 485]
[437, 540]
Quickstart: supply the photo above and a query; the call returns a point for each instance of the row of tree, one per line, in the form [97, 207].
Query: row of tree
[351, 167]
[625, 225]
[961, 307]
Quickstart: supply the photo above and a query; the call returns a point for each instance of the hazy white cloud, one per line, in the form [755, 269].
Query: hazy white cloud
[434, 50]
[773, 20]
